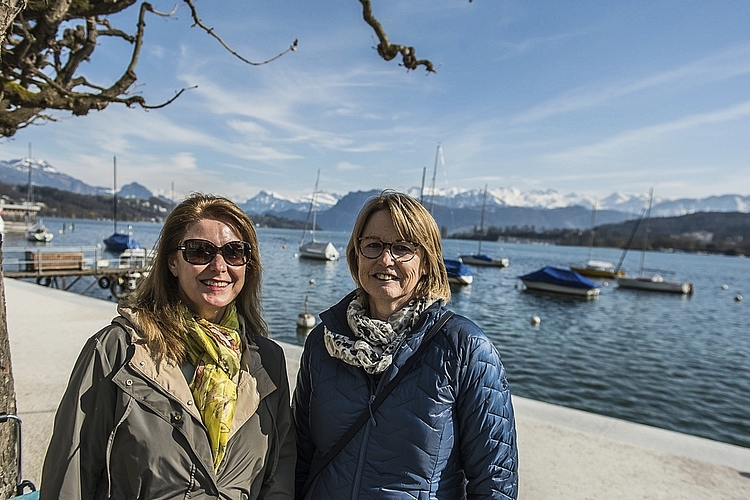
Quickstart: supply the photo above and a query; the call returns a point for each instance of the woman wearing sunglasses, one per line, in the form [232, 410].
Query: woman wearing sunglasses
[183, 395]
[396, 398]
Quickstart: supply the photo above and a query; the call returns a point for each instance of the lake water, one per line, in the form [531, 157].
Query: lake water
[670, 361]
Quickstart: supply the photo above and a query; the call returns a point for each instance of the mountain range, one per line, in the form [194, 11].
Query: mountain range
[453, 209]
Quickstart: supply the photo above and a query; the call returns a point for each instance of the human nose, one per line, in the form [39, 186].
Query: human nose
[218, 262]
[388, 251]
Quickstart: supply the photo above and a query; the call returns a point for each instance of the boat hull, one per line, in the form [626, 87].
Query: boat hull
[316, 250]
[458, 273]
[474, 260]
[568, 290]
[598, 269]
[652, 285]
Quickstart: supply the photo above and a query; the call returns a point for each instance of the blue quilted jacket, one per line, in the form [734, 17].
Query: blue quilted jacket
[446, 431]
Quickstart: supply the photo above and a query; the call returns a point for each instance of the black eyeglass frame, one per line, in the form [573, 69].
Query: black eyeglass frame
[214, 250]
[415, 246]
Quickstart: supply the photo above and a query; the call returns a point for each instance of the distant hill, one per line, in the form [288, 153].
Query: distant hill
[455, 210]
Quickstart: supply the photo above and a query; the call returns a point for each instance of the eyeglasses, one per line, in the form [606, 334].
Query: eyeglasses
[201, 252]
[401, 251]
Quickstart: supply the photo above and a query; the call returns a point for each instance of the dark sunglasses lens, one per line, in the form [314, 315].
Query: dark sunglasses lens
[235, 253]
[199, 252]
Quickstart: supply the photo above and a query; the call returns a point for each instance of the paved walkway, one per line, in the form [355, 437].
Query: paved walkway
[564, 453]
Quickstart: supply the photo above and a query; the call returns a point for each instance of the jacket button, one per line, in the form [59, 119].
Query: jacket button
[128, 382]
[176, 418]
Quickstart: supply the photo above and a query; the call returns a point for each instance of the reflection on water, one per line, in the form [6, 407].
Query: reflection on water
[671, 361]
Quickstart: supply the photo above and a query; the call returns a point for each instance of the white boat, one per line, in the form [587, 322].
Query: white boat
[39, 233]
[479, 258]
[556, 280]
[654, 282]
[316, 250]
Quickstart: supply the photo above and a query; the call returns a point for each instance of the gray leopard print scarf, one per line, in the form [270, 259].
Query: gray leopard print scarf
[375, 340]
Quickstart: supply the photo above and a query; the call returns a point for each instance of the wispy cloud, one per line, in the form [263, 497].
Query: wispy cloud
[717, 67]
[651, 133]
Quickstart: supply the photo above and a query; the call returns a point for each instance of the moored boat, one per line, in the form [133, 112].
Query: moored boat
[315, 250]
[557, 280]
[655, 283]
[482, 259]
[458, 273]
[39, 233]
[479, 258]
[598, 269]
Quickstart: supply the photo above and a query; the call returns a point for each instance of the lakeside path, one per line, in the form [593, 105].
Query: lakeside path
[564, 453]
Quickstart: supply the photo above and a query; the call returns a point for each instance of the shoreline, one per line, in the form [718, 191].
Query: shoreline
[563, 452]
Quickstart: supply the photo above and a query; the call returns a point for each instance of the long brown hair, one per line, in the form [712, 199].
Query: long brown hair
[413, 223]
[157, 300]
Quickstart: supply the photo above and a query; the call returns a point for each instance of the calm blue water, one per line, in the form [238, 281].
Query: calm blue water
[680, 363]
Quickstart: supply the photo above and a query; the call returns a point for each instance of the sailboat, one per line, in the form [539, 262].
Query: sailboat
[479, 258]
[316, 250]
[458, 272]
[597, 268]
[654, 282]
[36, 232]
[118, 242]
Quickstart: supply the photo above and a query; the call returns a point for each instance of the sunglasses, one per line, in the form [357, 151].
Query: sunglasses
[201, 252]
[401, 251]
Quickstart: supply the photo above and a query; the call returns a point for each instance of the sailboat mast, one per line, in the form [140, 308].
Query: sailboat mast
[315, 206]
[481, 221]
[29, 193]
[114, 193]
[593, 229]
[434, 174]
[648, 220]
[310, 211]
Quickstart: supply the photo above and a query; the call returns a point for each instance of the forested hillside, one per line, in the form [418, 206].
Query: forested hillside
[715, 232]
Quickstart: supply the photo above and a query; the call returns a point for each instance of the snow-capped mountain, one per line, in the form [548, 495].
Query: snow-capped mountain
[16, 172]
[43, 174]
[265, 202]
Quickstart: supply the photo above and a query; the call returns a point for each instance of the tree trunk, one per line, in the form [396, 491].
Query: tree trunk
[8, 452]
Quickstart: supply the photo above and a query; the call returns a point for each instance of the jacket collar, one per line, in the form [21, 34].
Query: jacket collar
[253, 385]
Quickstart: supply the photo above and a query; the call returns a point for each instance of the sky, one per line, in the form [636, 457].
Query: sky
[587, 97]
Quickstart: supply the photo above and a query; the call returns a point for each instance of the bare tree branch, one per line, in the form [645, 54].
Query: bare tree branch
[388, 50]
[211, 32]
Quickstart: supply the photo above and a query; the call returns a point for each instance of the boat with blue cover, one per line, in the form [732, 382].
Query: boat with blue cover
[458, 272]
[557, 280]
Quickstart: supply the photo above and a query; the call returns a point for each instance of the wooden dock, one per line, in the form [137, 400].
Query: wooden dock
[63, 267]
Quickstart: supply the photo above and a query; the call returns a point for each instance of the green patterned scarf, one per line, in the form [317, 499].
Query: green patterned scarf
[215, 352]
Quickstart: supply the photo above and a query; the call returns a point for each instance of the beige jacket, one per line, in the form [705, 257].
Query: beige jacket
[127, 428]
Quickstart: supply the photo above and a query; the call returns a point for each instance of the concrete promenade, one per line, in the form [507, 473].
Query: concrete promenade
[564, 453]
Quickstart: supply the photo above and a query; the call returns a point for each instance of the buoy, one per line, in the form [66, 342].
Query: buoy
[725, 287]
[305, 319]
[312, 282]
[104, 282]
[738, 298]
[535, 320]
[283, 247]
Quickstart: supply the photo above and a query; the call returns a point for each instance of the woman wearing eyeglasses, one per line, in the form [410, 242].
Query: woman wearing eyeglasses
[396, 399]
[183, 395]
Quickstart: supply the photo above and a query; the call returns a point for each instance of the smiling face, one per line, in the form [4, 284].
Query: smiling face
[389, 284]
[209, 288]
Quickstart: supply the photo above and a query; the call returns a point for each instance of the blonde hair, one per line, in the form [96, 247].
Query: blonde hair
[413, 223]
[157, 299]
